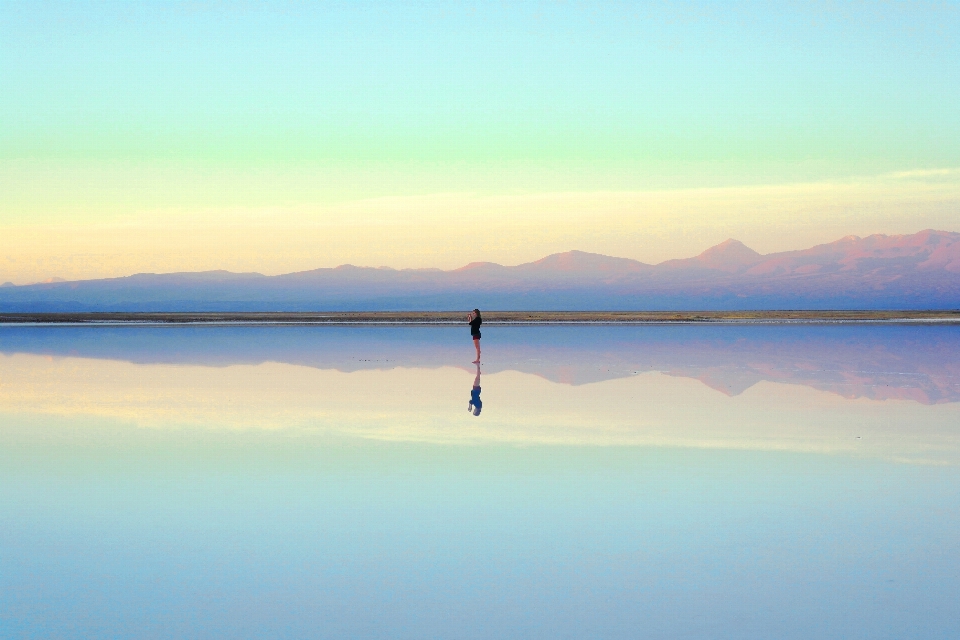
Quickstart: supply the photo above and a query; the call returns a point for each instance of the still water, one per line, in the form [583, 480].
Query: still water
[587, 482]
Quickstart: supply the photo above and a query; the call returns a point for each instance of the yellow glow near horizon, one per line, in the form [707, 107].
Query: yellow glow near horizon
[90, 231]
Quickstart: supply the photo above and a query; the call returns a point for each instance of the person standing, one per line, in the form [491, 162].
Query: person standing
[475, 321]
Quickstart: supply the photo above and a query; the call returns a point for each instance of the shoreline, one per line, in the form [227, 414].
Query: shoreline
[492, 318]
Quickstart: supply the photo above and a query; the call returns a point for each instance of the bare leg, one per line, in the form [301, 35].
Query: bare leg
[476, 343]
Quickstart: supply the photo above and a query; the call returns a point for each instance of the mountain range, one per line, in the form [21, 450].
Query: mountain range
[918, 271]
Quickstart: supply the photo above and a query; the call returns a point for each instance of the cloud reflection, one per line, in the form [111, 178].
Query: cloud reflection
[410, 388]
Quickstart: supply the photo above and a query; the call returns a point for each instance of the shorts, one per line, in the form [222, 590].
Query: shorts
[475, 336]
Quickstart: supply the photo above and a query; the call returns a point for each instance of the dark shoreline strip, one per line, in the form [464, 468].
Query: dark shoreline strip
[490, 317]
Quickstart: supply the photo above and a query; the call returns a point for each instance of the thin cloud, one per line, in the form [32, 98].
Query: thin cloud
[926, 173]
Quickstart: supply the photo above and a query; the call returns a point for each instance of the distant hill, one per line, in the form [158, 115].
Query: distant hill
[919, 271]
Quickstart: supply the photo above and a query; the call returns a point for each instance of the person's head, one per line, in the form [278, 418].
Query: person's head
[476, 313]
[474, 408]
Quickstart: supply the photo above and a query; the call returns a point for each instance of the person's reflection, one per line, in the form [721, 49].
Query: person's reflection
[475, 404]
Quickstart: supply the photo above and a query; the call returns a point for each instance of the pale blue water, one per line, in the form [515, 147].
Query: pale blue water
[620, 482]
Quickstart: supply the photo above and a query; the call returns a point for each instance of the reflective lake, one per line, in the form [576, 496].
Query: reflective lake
[694, 481]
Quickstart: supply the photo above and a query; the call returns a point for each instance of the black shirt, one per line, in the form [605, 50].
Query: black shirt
[475, 325]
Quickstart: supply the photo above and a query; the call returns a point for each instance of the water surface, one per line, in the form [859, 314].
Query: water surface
[671, 481]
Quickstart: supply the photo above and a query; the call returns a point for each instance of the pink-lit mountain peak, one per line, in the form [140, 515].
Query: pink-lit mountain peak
[584, 262]
[480, 266]
[926, 249]
[882, 245]
[729, 255]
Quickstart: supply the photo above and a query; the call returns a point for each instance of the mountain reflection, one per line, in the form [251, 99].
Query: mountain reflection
[878, 362]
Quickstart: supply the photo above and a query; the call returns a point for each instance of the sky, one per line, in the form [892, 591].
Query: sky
[285, 136]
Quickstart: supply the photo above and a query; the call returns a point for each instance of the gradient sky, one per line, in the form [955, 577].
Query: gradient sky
[281, 136]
